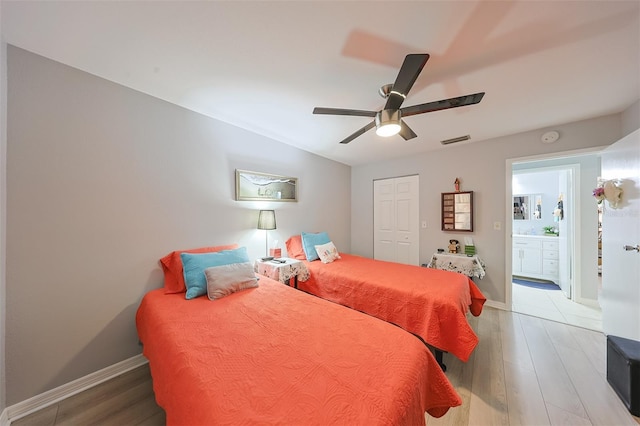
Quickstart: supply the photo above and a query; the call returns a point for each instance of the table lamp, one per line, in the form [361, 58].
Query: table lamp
[267, 221]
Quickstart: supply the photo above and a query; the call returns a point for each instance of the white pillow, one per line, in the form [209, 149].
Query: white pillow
[227, 279]
[327, 252]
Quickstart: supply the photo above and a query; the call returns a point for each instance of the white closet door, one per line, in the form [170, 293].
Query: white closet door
[384, 220]
[395, 218]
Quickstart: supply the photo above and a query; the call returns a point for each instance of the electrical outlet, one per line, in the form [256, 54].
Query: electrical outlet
[497, 226]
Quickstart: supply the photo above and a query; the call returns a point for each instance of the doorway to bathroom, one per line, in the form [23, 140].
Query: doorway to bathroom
[551, 240]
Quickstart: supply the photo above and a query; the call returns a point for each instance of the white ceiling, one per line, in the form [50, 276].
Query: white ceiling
[265, 65]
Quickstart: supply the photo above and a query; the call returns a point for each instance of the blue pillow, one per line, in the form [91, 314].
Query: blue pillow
[310, 241]
[193, 266]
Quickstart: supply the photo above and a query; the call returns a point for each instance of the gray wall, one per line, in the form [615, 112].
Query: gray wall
[481, 168]
[102, 181]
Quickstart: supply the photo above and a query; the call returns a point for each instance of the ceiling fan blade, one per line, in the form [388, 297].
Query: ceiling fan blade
[370, 47]
[443, 104]
[359, 132]
[406, 132]
[341, 111]
[409, 72]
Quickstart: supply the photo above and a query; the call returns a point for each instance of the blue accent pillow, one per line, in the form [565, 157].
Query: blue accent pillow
[193, 266]
[310, 241]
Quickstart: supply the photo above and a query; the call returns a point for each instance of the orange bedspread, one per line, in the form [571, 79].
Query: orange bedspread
[276, 355]
[427, 302]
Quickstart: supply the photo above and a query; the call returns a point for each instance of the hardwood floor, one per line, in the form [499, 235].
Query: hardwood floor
[124, 400]
[531, 371]
[525, 371]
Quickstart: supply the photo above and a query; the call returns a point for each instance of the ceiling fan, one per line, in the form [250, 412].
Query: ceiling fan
[388, 121]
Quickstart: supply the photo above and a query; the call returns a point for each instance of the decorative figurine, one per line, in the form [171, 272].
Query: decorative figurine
[457, 184]
[613, 193]
[453, 246]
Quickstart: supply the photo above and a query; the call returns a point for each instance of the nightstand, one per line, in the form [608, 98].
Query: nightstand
[292, 269]
[471, 266]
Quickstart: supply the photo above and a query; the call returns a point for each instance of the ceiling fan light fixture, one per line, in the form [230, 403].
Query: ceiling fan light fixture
[387, 130]
[388, 122]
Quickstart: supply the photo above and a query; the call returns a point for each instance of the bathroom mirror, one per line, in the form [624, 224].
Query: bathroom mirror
[457, 211]
[521, 209]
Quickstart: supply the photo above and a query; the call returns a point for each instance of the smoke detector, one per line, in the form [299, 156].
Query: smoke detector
[550, 137]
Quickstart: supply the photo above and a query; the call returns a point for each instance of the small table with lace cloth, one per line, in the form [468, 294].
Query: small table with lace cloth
[283, 272]
[471, 266]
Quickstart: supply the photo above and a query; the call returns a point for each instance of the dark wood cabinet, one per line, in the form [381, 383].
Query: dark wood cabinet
[457, 211]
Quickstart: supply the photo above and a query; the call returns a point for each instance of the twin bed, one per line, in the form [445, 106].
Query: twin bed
[272, 354]
[429, 303]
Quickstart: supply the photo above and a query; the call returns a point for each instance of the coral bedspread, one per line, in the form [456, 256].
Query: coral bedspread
[430, 303]
[276, 355]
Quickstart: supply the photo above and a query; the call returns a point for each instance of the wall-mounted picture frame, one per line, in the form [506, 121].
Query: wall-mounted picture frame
[257, 186]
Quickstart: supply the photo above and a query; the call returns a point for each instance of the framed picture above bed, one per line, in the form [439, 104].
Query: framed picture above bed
[257, 186]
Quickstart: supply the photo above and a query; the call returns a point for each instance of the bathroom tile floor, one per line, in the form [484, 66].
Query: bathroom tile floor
[554, 306]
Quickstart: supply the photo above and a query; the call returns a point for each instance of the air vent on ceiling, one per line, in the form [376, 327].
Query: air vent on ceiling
[454, 140]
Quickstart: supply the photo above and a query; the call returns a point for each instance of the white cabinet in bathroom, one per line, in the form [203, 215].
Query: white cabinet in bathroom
[527, 256]
[550, 258]
[535, 257]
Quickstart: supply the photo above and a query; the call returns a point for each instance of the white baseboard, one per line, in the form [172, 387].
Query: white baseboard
[497, 305]
[53, 396]
[588, 302]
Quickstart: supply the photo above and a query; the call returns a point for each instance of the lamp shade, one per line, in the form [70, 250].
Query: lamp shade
[267, 219]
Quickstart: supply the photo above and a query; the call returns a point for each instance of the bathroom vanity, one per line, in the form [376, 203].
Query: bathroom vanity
[536, 256]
